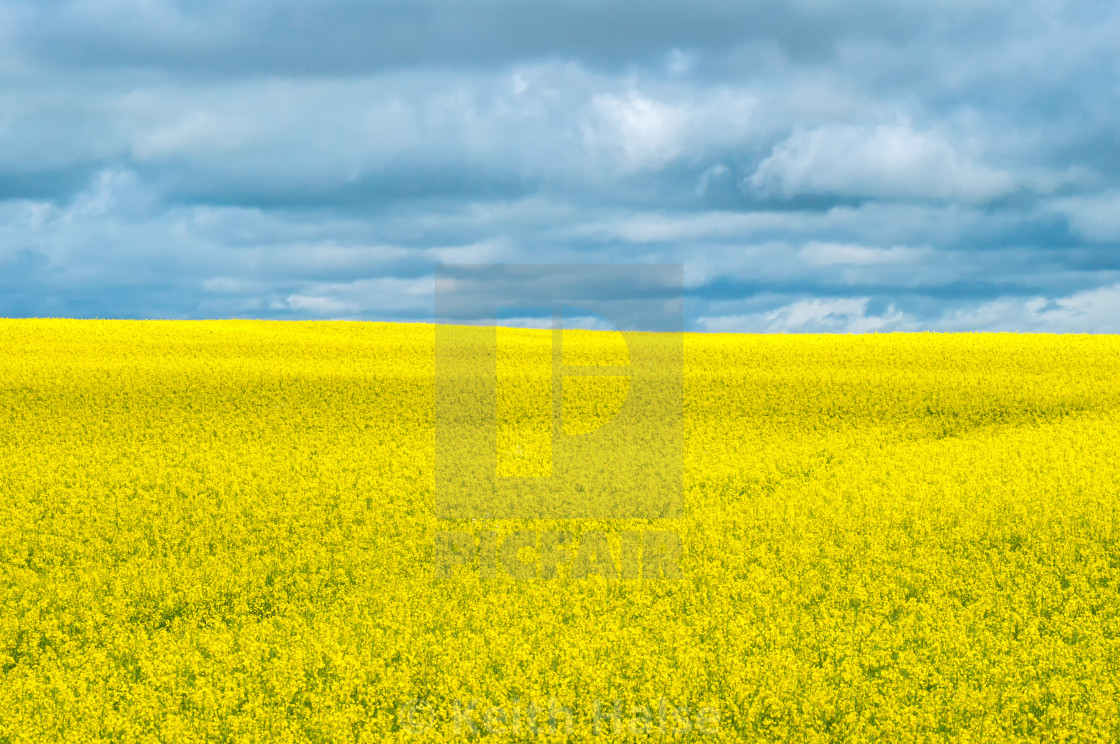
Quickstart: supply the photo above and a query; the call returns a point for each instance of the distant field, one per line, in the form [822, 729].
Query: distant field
[224, 531]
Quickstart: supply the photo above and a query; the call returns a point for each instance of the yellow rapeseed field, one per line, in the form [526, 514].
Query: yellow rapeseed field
[224, 531]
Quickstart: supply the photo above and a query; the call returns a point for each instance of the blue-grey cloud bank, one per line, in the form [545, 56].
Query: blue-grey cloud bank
[815, 166]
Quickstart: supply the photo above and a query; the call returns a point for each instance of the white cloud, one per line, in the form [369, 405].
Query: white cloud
[1095, 218]
[485, 251]
[843, 254]
[848, 315]
[679, 62]
[385, 294]
[581, 323]
[711, 225]
[194, 132]
[715, 174]
[644, 132]
[112, 190]
[889, 161]
[640, 132]
[874, 223]
[224, 285]
[1090, 311]
[842, 315]
[315, 304]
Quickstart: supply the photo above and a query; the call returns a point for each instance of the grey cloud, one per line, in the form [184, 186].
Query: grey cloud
[335, 37]
[859, 166]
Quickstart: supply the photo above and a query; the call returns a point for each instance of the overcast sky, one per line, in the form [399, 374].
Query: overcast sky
[815, 166]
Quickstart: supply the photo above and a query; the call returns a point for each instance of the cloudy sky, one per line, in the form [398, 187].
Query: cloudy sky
[815, 166]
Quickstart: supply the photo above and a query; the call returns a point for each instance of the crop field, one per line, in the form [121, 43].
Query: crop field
[225, 531]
